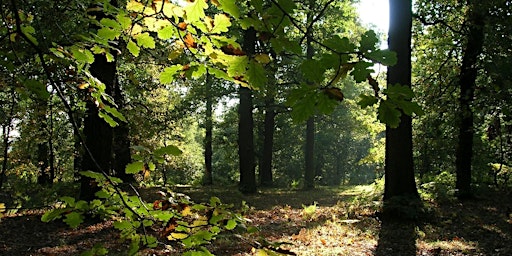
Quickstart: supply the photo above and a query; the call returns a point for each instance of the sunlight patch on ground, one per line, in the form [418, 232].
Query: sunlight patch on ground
[454, 245]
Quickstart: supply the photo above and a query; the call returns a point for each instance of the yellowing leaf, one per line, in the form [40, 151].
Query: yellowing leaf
[83, 86]
[186, 211]
[262, 58]
[198, 223]
[177, 236]
[136, 29]
[2, 207]
[221, 24]
[135, 6]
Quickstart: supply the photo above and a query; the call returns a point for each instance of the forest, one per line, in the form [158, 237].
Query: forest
[259, 127]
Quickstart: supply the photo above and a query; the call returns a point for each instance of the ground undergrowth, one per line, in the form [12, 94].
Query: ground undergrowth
[323, 221]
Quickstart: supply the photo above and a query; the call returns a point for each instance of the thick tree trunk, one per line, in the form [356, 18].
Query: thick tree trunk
[399, 166]
[208, 151]
[121, 144]
[98, 133]
[467, 83]
[246, 126]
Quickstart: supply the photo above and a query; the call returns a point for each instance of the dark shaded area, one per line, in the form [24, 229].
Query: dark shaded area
[396, 238]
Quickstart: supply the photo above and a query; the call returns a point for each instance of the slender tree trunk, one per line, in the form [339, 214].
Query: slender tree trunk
[208, 151]
[265, 170]
[246, 127]
[399, 166]
[467, 84]
[6, 131]
[309, 154]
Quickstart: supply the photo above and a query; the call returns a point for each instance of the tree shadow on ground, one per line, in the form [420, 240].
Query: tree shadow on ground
[396, 238]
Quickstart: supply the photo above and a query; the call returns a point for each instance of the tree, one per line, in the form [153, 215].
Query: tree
[208, 137]
[399, 166]
[246, 125]
[467, 85]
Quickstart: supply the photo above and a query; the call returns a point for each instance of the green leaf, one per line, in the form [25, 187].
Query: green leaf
[313, 70]
[167, 76]
[285, 45]
[70, 201]
[133, 48]
[287, 5]
[110, 23]
[92, 175]
[389, 114]
[221, 24]
[102, 194]
[256, 75]
[28, 31]
[366, 100]
[107, 118]
[134, 167]
[231, 224]
[195, 10]
[114, 112]
[124, 21]
[230, 7]
[169, 150]
[146, 40]
[385, 57]
[150, 241]
[74, 219]
[166, 32]
[342, 45]
[82, 55]
[369, 41]
[237, 65]
[108, 33]
[38, 88]
[123, 225]
[361, 71]
[399, 92]
[53, 214]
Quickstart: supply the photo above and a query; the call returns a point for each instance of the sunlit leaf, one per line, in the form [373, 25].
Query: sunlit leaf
[230, 7]
[221, 24]
[134, 167]
[145, 40]
[195, 10]
[82, 55]
[167, 76]
[133, 48]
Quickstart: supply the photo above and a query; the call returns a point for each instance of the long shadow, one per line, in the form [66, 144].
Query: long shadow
[396, 238]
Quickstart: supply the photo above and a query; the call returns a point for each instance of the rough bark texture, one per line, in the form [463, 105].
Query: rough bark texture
[208, 151]
[467, 83]
[399, 166]
[245, 127]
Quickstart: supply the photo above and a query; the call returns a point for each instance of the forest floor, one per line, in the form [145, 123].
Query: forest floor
[345, 221]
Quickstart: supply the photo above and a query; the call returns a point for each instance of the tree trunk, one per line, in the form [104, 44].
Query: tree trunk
[208, 151]
[309, 154]
[245, 127]
[121, 144]
[268, 141]
[98, 133]
[467, 83]
[309, 173]
[399, 166]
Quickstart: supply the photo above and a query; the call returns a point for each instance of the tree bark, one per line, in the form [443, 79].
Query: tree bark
[467, 84]
[399, 166]
[121, 144]
[98, 133]
[265, 167]
[246, 126]
[208, 151]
